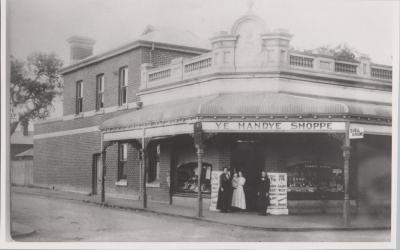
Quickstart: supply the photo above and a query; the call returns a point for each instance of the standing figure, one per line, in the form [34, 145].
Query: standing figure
[224, 192]
[263, 194]
[238, 198]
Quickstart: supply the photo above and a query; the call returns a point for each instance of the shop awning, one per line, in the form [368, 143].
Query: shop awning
[241, 104]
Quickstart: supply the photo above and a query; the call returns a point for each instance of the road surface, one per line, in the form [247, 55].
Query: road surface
[57, 219]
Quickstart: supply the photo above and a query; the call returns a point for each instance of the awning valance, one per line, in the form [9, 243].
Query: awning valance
[241, 104]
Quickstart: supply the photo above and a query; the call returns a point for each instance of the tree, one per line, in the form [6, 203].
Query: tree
[33, 86]
[341, 52]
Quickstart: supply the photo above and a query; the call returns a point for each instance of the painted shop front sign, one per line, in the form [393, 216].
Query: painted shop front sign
[214, 189]
[278, 193]
[255, 126]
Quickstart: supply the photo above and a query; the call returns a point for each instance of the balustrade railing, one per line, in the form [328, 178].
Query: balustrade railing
[345, 68]
[194, 66]
[381, 73]
[183, 69]
[301, 61]
[159, 75]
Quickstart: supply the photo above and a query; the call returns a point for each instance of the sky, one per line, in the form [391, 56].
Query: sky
[44, 25]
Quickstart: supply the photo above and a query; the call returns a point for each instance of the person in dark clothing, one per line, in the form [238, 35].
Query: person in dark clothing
[263, 194]
[224, 192]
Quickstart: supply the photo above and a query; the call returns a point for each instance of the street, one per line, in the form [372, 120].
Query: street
[67, 220]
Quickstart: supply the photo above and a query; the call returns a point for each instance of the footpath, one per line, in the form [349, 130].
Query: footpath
[314, 222]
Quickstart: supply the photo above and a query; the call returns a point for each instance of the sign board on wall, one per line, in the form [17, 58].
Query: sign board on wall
[255, 126]
[356, 133]
[214, 189]
[278, 193]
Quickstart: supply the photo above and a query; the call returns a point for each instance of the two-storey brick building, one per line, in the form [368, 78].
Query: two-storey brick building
[97, 87]
[250, 103]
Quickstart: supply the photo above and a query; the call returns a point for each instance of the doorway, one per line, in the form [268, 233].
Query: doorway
[248, 158]
[96, 174]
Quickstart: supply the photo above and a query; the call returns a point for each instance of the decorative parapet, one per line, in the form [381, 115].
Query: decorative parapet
[381, 71]
[361, 67]
[178, 70]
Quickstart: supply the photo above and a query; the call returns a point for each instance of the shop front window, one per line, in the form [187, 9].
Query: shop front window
[315, 181]
[187, 178]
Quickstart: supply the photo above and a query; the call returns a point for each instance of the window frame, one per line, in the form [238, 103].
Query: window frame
[99, 92]
[122, 161]
[123, 85]
[79, 97]
[188, 189]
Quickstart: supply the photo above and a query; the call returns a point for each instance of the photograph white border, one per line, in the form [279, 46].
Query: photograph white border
[7, 243]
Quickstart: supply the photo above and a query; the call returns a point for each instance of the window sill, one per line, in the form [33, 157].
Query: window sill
[153, 184]
[121, 183]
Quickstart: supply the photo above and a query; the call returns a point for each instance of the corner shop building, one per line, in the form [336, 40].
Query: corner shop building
[258, 105]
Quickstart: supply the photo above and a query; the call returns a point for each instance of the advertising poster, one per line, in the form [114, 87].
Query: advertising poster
[214, 189]
[278, 193]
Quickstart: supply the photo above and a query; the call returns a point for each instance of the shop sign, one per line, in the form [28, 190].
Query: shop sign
[214, 189]
[278, 193]
[255, 126]
[356, 133]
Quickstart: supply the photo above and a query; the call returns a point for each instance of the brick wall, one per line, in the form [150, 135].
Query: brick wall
[132, 170]
[77, 123]
[66, 161]
[159, 57]
[110, 68]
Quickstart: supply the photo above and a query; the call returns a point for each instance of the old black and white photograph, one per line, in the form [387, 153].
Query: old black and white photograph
[194, 121]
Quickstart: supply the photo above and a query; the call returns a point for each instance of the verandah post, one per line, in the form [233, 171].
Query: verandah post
[198, 141]
[103, 175]
[144, 170]
[346, 157]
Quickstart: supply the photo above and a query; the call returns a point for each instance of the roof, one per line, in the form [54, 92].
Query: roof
[19, 138]
[169, 35]
[160, 36]
[28, 152]
[242, 104]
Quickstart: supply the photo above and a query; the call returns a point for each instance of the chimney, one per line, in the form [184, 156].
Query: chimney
[80, 48]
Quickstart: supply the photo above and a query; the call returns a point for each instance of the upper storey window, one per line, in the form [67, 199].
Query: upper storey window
[100, 92]
[79, 97]
[123, 86]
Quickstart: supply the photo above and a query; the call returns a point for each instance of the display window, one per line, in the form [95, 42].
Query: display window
[187, 178]
[315, 181]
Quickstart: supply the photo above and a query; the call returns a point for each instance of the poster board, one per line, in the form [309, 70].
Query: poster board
[278, 193]
[214, 189]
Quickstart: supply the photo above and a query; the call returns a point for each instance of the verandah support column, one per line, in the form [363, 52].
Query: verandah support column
[346, 166]
[103, 175]
[200, 153]
[144, 169]
[198, 141]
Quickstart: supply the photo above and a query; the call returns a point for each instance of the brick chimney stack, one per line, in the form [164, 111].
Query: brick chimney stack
[80, 48]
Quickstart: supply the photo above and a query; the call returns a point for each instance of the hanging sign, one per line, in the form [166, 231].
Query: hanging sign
[214, 189]
[278, 193]
[356, 133]
[256, 126]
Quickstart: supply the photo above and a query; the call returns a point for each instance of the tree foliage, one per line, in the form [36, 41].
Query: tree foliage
[341, 52]
[34, 84]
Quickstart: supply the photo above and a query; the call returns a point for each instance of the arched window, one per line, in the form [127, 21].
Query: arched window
[187, 178]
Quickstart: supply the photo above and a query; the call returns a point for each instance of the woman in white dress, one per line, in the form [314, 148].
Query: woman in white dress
[238, 198]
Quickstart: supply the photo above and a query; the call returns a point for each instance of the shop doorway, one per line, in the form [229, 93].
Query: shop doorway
[248, 158]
